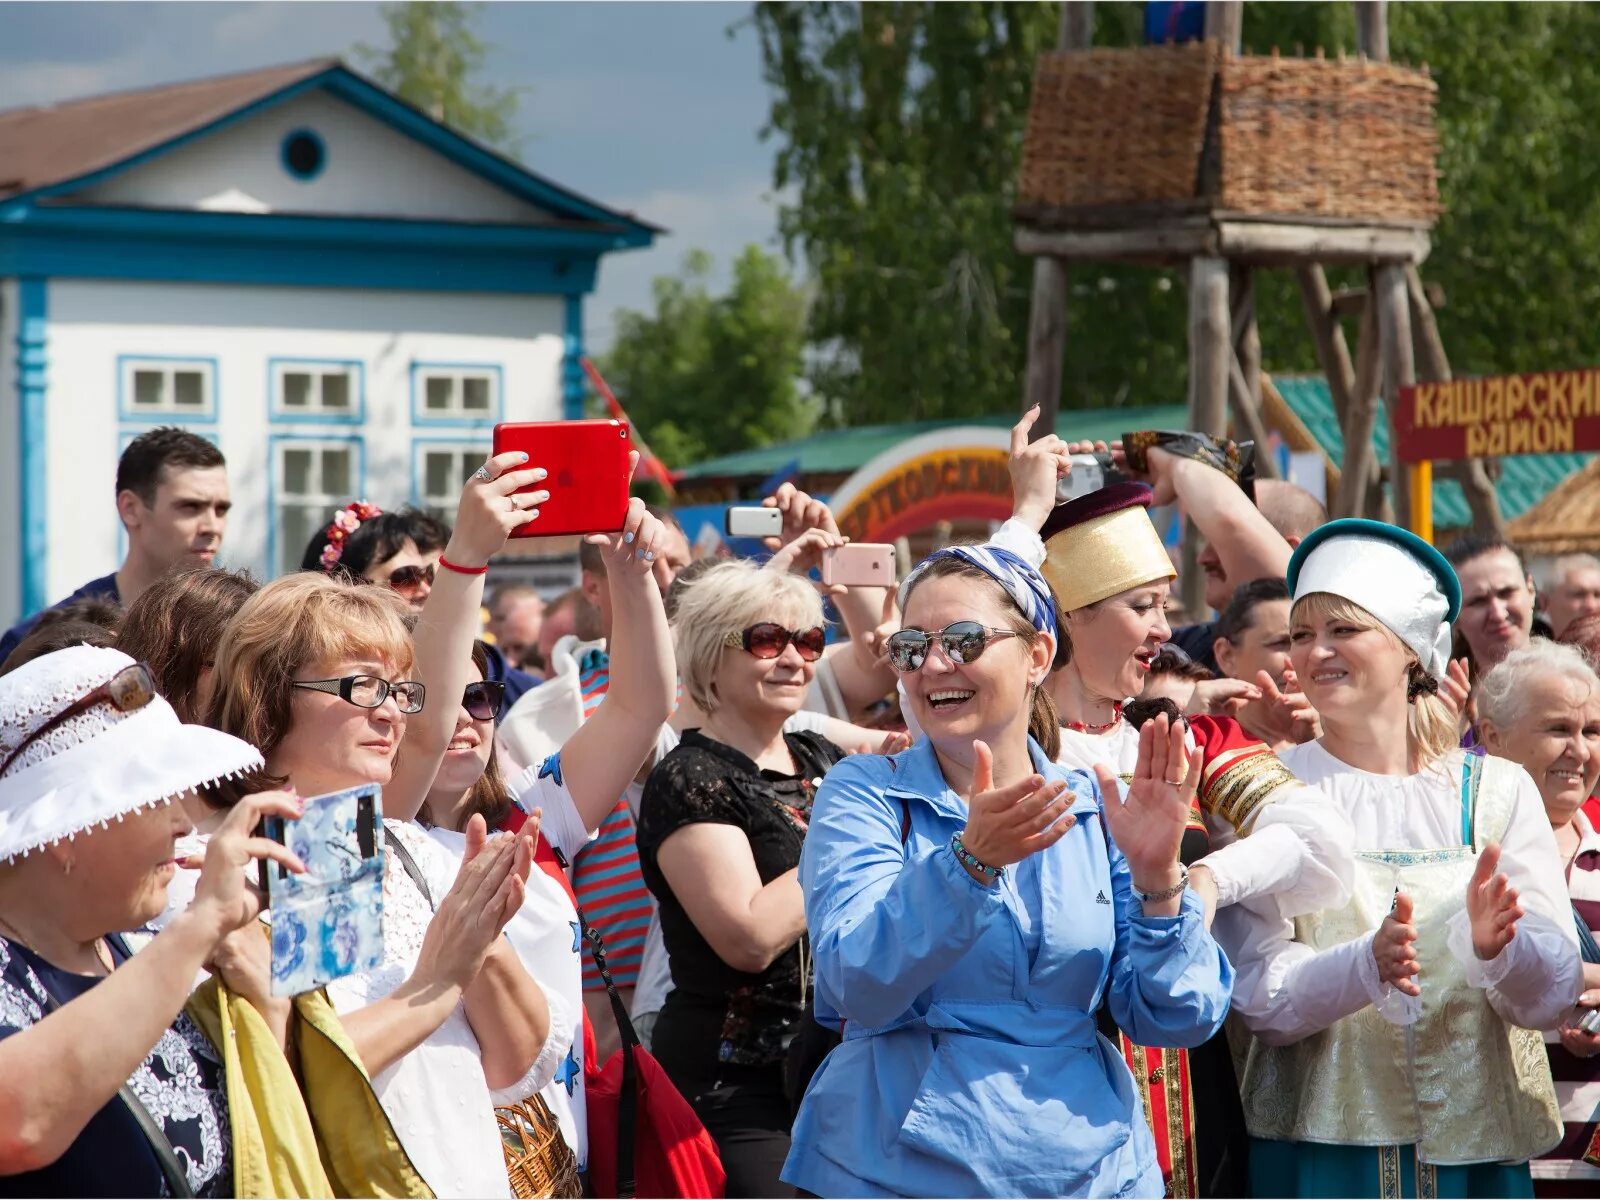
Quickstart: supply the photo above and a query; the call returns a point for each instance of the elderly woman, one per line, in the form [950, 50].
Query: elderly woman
[721, 824]
[1540, 707]
[971, 903]
[106, 1086]
[1394, 1048]
[315, 673]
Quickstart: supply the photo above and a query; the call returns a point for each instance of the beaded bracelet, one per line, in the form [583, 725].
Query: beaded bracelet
[964, 857]
[1167, 893]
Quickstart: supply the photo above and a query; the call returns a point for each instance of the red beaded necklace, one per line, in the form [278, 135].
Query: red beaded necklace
[1080, 727]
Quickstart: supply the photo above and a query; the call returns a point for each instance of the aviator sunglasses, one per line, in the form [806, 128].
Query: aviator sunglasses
[963, 641]
[406, 580]
[768, 639]
[482, 699]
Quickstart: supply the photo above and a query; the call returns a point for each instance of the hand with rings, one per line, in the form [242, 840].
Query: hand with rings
[1148, 822]
[492, 505]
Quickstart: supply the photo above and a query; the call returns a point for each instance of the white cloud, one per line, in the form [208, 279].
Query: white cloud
[720, 219]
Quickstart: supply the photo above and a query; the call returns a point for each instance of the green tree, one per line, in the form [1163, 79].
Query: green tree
[431, 62]
[705, 375]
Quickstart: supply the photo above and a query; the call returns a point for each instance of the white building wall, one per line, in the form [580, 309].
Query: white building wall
[10, 460]
[371, 171]
[93, 322]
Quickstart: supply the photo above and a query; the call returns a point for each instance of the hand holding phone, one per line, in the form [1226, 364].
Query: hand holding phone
[860, 564]
[753, 521]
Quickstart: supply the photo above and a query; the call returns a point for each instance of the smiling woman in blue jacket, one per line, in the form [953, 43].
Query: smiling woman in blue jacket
[970, 905]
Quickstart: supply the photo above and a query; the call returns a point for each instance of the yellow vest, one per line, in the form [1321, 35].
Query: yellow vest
[1460, 1084]
[323, 1134]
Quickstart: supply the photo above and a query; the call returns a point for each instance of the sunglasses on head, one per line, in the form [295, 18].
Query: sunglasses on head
[482, 699]
[406, 580]
[963, 642]
[129, 690]
[768, 639]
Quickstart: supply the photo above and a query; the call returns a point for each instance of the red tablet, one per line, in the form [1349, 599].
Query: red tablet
[588, 481]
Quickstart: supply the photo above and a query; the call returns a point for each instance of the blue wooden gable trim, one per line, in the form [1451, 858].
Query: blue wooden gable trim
[344, 83]
[33, 361]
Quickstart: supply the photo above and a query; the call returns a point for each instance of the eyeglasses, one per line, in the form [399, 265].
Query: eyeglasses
[963, 641]
[768, 639]
[482, 699]
[369, 691]
[129, 690]
[407, 580]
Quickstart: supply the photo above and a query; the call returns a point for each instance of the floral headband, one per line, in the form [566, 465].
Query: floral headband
[345, 522]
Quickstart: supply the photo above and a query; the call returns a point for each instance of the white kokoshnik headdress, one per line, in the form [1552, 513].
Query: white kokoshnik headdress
[1396, 576]
[100, 764]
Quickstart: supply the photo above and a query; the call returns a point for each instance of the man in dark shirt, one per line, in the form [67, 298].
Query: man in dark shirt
[172, 498]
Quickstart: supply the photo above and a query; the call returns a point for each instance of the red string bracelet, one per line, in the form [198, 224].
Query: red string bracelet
[450, 566]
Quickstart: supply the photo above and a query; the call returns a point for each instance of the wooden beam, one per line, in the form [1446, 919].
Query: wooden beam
[1399, 370]
[1161, 243]
[1372, 28]
[1360, 466]
[1047, 319]
[1244, 366]
[1224, 22]
[1047, 343]
[1432, 365]
[1210, 346]
[1333, 353]
[1287, 242]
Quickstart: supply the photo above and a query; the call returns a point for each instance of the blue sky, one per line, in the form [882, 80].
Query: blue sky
[648, 107]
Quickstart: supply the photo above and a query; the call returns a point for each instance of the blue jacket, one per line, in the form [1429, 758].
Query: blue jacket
[970, 1064]
[104, 588]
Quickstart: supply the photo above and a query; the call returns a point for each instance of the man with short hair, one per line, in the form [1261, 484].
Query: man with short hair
[516, 614]
[173, 500]
[1569, 589]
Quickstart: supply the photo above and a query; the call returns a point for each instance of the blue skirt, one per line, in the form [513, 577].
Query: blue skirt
[1315, 1169]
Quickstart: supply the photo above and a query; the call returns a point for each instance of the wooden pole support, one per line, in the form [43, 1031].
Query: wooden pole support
[1047, 343]
[1399, 369]
[1210, 345]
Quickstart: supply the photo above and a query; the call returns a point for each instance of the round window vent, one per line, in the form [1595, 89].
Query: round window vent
[303, 154]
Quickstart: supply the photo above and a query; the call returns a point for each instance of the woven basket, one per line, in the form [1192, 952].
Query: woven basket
[538, 1160]
[1170, 129]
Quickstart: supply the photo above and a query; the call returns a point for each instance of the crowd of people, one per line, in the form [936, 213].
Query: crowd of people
[991, 883]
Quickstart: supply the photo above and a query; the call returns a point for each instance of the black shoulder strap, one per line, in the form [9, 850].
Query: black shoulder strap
[410, 864]
[160, 1146]
[628, 1101]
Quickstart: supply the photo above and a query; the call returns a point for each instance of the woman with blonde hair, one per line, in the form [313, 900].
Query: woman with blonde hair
[721, 825]
[1395, 1050]
[316, 674]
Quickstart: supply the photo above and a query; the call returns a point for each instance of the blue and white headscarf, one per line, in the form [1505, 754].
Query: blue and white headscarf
[1021, 582]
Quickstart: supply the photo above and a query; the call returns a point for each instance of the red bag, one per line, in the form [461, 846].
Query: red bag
[644, 1138]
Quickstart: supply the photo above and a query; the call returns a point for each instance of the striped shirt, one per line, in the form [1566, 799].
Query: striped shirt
[1577, 1079]
[605, 874]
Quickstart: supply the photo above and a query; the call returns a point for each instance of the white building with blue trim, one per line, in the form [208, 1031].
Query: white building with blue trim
[344, 294]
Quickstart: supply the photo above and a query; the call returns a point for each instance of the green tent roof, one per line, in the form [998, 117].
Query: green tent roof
[840, 451]
[1525, 479]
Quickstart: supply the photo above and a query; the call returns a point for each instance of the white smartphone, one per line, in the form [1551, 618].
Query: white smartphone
[860, 564]
[753, 521]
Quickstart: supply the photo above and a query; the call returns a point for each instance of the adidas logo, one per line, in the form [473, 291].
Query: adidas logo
[1100, 898]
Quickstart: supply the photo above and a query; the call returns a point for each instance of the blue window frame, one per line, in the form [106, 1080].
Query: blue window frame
[309, 477]
[170, 389]
[320, 391]
[439, 469]
[462, 395]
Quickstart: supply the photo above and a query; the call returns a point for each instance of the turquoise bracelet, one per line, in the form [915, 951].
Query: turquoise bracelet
[964, 857]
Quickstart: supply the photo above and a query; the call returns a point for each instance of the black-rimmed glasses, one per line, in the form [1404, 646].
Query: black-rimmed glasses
[369, 691]
[963, 641]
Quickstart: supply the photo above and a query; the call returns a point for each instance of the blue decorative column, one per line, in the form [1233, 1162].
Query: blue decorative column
[572, 378]
[33, 315]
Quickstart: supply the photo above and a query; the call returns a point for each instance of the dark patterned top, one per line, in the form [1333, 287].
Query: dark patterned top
[180, 1082]
[734, 1016]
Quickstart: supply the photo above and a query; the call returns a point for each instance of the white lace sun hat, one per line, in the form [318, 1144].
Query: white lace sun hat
[102, 764]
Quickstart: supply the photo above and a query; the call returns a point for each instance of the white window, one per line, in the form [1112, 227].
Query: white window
[184, 388]
[315, 389]
[458, 392]
[443, 472]
[312, 481]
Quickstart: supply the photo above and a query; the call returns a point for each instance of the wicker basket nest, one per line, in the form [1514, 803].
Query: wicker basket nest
[539, 1163]
[1194, 128]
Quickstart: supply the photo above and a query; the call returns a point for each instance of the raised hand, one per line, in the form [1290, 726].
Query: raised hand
[633, 548]
[805, 553]
[1455, 689]
[1006, 825]
[491, 507]
[224, 894]
[1492, 906]
[1036, 468]
[1221, 697]
[1281, 716]
[801, 513]
[1148, 823]
[1394, 947]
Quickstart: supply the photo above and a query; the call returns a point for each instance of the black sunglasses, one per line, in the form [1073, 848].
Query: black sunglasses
[406, 580]
[369, 691]
[768, 639]
[482, 699]
[963, 641]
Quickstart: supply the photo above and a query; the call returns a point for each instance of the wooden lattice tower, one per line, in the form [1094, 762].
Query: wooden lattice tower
[1224, 165]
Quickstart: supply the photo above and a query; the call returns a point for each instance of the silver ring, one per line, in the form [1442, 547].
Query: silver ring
[1175, 783]
[481, 474]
